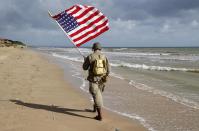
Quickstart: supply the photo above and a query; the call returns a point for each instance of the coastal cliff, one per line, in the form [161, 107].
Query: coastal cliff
[11, 43]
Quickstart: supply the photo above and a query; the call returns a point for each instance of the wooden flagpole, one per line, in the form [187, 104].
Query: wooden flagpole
[67, 35]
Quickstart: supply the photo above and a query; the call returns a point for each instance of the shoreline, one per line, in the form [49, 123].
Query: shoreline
[37, 97]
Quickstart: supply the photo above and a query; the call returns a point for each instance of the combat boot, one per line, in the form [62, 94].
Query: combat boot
[99, 116]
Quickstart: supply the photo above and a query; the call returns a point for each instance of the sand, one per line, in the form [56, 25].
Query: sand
[34, 96]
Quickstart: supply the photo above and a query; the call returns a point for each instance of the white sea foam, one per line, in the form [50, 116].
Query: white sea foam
[117, 76]
[171, 96]
[83, 85]
[120, 49]
[85, 50]
[135, 117]
[177, 57]
[155, 68]
[75, 59]
[136, 54]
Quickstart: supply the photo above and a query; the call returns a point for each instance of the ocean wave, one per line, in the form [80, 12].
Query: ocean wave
[135, 54]
[178, 58]
[75, 59]
[117, 52]
[120, 49]
[155, 68]
[171, 96]
[135, 66]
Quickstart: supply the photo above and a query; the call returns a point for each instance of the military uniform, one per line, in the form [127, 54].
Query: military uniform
[96, 83]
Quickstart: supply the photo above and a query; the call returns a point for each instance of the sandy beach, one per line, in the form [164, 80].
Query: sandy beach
[35, 96]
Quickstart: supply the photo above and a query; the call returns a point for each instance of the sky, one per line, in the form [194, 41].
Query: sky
[133, 23]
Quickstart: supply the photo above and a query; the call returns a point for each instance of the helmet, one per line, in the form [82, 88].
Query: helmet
[96, 46]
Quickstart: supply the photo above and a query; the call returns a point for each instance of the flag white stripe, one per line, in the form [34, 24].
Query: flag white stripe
[92, 19]
[90, 35]
[89, 29]
[85, 24]
[71, 10]
[79, 12]
[87, 15]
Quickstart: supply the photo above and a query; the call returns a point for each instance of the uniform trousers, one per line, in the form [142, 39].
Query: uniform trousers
[96, 92]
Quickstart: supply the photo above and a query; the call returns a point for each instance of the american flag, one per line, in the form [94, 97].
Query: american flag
[82, 23]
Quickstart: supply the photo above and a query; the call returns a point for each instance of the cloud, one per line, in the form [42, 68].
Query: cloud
[134, 9]
[125, 25]
[131, 21]
[195, 23]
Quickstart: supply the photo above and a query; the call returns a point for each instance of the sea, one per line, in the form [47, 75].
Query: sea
[158, 87]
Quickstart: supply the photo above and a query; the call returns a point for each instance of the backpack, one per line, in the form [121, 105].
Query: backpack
[99, 66]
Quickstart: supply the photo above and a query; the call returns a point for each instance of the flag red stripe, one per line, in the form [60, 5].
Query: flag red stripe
[92, 31]
[90, 17]
[92, 37]
[97, 20]
[56, 16]
[75, 11]
[88, 26]
[84, 13]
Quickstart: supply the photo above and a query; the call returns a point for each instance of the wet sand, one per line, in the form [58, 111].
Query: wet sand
[35, 96]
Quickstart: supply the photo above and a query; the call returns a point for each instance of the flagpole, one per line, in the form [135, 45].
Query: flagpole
[67, 35]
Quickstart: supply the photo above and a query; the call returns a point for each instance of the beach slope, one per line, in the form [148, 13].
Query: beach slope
[35, 97]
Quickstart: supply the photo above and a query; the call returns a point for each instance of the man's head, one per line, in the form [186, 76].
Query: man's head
[96, 46]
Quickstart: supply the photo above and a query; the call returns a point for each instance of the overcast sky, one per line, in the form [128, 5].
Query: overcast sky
[134, 23]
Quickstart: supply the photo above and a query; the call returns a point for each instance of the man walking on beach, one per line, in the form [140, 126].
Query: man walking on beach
[98, 70]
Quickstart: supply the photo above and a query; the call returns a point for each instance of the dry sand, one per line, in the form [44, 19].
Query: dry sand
[35, 97]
